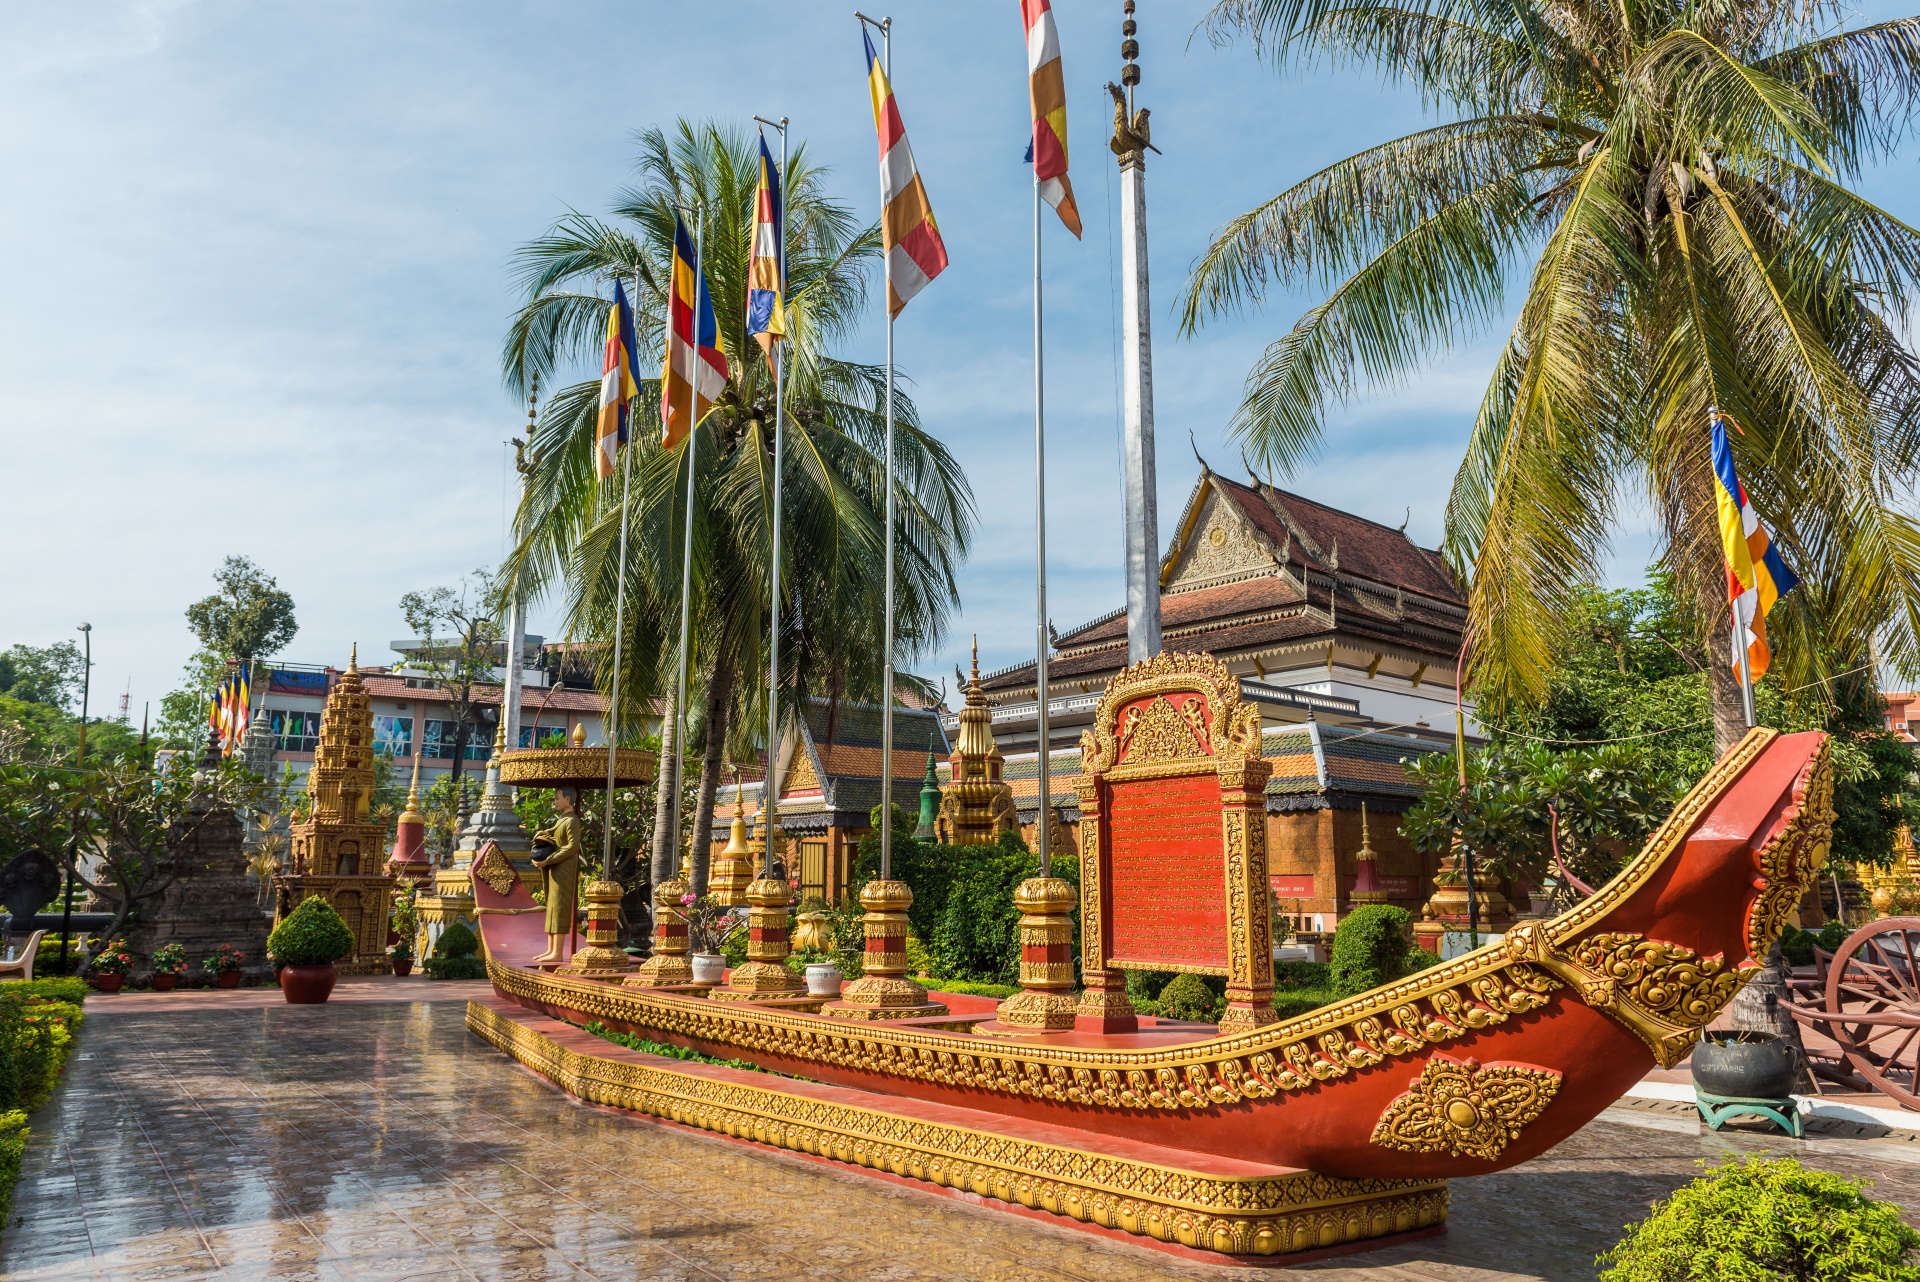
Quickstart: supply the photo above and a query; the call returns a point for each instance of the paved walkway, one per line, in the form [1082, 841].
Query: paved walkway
[372, 1141]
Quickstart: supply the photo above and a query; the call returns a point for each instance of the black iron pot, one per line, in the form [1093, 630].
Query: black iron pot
[1745, 1065]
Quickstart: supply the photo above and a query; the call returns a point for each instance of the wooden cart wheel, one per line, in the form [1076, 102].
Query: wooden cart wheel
[1873, 1005]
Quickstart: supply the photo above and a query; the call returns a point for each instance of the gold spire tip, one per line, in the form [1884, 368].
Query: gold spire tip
[353, 659]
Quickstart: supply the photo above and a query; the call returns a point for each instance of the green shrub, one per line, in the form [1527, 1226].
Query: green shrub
[634, 1042]
[971, 989]
[312, 935]
[41, 1033]
[1796, 946]
[456, 941]
[1369, 949]
[1763, 1219]
[1300, 974]
[1420, 959]
[1834, 934]
[72, 991]
[456, 968]
[13, 1150]
[1188, 997]
[1300, 1001]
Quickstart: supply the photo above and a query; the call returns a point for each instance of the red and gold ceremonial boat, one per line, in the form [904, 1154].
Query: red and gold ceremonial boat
[1264, 1139]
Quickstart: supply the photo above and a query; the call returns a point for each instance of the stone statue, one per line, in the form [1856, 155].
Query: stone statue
[560, 870]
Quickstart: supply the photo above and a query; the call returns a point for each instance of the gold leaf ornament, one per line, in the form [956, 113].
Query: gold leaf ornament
[1464, 1109]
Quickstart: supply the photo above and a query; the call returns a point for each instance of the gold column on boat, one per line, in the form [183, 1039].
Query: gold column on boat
[669, 964]
[884, 991]
[727, 879]
[602, 955]
[1046, 1000]
[766, 973]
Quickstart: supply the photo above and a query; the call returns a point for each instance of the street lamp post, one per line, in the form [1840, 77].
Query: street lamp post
[73, 842]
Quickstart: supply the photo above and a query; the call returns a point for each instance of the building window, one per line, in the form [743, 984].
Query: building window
[294, 731]
[437, 743]
[550, 737]
[393, 736]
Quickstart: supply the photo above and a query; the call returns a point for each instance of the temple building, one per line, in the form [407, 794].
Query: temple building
[1344, 632]
[338, 851]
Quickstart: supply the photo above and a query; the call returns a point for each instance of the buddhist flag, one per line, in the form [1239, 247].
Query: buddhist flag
[1048, 91]
[767, 267]
[915, 252]
[618, 386]
[232, 708]
[1756, 576]
[696, 369]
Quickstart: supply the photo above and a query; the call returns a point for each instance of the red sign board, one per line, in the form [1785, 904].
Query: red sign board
[1293, 885]
[1168, 882]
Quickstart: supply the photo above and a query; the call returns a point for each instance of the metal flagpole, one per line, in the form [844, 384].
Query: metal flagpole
[611, 734]
[686, 547]
[1043, 821]
[511, 696]
[886, 688]
[1746, 667]
[770, 791]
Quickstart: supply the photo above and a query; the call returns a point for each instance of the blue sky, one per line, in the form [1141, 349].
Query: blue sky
[259, 276]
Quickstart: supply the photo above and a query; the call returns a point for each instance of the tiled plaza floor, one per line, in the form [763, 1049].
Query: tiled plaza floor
[376, 1141]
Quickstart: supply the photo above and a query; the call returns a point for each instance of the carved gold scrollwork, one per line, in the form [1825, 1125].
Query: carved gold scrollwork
[1466, 1110]
[1790, 862]
[492, 867]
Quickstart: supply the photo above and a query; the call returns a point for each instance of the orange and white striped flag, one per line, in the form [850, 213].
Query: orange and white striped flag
[1048, 91]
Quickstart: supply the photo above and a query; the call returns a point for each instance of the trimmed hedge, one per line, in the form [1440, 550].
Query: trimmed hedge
[967, 988]
[312, 935]
[36, 1035]
[1369, 949]
[453, 955]
[456, 968]
[1187, 997]
[13, 1150]
[72, 991]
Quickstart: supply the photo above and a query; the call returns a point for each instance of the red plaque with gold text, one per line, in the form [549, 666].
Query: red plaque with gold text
[1173, 841]
[1169, 887]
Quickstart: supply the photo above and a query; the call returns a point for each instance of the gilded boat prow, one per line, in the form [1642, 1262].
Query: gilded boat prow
[1468, 1067]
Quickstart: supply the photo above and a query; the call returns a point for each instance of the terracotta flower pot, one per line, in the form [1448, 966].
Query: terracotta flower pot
[227, 979]
[403, 966]
[308, 984]
[109, 983]
[163, 983]
[278, 971]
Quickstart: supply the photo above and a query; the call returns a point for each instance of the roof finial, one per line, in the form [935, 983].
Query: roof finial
[353, 658]
[976, 658]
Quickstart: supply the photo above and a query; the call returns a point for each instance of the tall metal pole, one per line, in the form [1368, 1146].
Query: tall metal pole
[886, 687]
[73, 844]
[86, 689]
[510, 695]
[771, 788]
[1746, 669]
[1043, 741]
[686, 547]
[612, 731]
[1137, 453]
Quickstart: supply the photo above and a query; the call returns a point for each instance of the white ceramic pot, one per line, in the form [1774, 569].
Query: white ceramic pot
[823, 980]
[708, 968]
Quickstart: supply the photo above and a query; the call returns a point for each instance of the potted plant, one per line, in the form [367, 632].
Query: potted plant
[1745, 1064]
[225, 966]
[110, 966]
[709, 924]
[168, 961]
[306, 945]
[405, 926]
[821, 970]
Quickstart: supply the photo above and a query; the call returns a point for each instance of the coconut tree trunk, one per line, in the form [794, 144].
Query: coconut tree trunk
[664, 838]
[719, 705]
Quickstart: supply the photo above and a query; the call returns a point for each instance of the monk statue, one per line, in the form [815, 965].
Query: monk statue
[560, 870]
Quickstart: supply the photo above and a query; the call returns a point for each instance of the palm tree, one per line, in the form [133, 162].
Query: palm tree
[1669, 181]
[834, 483]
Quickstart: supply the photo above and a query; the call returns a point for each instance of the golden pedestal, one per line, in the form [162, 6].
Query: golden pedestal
[1046, 1001]
[766, 973]
[669, 964]
[600, 956]
[884, 991]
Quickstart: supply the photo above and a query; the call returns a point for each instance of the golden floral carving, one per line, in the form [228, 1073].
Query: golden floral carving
[1239, 1216]
[1162, 732]
[1466, 1110]
[492, 867]
[1665, 979]
[1795, 856]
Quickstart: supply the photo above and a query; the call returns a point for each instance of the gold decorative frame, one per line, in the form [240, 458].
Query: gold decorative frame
[584, 768]
[1168, 740]
[1396, 1021]
[1252, 1216]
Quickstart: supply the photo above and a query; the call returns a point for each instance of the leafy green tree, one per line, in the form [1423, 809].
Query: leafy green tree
[250, 617]
[458, 627]
[1667, 185]
[833, 485]
[49, 674]
[183, 710]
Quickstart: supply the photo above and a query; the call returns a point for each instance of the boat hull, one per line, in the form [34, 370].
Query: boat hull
[1468, 1067]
